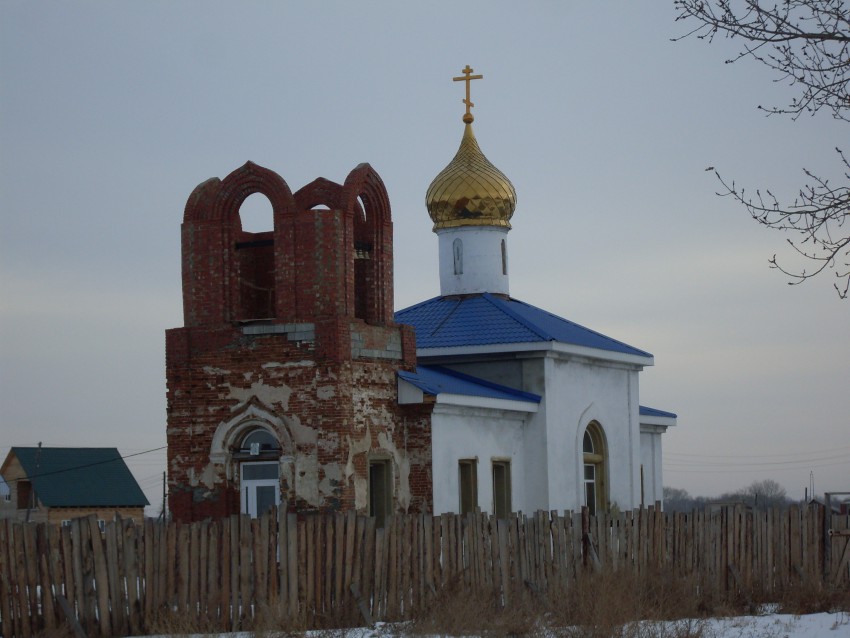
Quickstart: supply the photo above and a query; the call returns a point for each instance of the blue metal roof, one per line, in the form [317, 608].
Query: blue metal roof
[485, 319]
[645, 411]
[435, 380]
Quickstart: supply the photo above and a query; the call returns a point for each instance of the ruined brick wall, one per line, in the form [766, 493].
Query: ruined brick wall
[319, 373]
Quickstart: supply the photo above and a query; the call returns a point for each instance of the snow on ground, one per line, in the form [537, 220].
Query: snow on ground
[836, 625]
[825, 625]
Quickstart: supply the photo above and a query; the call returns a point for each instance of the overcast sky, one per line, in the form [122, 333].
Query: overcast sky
[111, 113]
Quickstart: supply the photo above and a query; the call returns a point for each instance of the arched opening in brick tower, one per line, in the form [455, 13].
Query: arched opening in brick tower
[364, 268]
[255, 253]
[256, 214]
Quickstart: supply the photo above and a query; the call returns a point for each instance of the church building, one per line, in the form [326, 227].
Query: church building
[531, 411]
[293, 383]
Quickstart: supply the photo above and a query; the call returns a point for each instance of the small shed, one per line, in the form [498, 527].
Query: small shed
[57, 484]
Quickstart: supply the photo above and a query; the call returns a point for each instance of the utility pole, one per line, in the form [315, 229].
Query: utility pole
[162, 509]
[31, 498]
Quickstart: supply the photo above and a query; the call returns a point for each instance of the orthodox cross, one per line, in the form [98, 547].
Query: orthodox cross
[468, 77]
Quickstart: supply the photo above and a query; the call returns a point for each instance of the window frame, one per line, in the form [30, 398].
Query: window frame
[595, 459]
[248, 486]
[502, 503]
[265, 452]
[381, 513]
[468, 487]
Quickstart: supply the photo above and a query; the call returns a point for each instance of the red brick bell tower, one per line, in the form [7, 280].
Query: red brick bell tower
[282, 383]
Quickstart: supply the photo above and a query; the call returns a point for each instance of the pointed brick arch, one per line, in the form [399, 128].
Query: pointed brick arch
[247, 417]
[246, 180]
[222, 283]
[314, 263]
[365, 183]
[202, 200]
[372, 238]
[320, 191]
[256, 283]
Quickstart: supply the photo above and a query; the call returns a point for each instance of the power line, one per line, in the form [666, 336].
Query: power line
[742, 470]
[790, 462]
[80, 467]
[832, 450]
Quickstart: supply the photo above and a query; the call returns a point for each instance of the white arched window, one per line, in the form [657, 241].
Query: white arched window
[260, 442]
[457, 252]
[595, 469]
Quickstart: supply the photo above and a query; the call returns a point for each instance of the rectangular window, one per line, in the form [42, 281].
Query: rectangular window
[502, 489]
[260, 471]
[260, 487]
[468, 481]
[380, 491]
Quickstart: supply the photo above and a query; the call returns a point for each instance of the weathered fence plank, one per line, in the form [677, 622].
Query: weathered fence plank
[227, 573]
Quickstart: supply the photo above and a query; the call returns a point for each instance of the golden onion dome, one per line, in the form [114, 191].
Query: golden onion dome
[470, 191]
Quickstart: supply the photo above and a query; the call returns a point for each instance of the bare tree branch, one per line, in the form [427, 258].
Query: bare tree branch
[807, 44]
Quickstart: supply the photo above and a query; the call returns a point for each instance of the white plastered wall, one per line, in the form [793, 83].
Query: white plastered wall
[476, 433]
[479, 260]
[650, 452]
[579, 392]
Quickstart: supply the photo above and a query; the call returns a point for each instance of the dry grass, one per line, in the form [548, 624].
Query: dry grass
[813, 600]
[599, 606]
[168, 622]
[611, 605]
[264, 621]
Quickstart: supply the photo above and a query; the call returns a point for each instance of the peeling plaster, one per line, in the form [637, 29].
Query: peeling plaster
[333, 477]
[289, 364]
[301, 434]
[361, 493]
[307, 479]
[244, 417]
[325, 392]
[212, 370]
[207, 477]
[268, 394]
[402, 463]
[361, 487]
[366, 399]
[329, 444]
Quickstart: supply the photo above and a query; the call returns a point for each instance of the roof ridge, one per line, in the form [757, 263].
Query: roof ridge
[505, 308]
[579, 325]
[415, 306]
[449, 314]
[63, 447]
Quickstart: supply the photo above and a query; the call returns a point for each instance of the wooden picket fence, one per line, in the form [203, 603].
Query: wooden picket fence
[339, 569]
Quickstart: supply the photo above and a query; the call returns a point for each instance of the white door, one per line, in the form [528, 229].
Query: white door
[260, 487]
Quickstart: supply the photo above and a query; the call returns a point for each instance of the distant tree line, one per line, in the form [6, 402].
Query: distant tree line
[764, 494]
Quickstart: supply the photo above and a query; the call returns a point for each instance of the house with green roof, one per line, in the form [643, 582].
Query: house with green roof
[57, 484]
